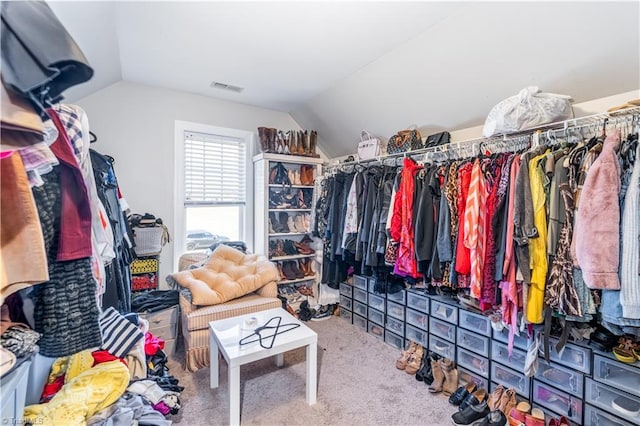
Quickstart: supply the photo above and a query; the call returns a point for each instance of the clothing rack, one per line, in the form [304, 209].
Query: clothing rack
[547, 134]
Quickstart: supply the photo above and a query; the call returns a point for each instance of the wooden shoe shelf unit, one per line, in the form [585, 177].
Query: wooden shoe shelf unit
[288, 217]
[587, 386]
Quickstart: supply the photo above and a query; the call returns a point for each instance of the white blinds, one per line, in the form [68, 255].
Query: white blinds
[214, 170]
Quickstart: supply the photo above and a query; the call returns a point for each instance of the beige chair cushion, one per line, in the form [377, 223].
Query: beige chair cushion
[228, 274]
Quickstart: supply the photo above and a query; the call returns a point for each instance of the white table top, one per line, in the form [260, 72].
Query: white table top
[229, 331]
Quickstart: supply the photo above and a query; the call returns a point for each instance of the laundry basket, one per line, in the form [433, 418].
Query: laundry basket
[149, 241]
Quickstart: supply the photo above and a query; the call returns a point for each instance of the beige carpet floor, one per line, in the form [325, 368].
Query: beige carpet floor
[358, 384]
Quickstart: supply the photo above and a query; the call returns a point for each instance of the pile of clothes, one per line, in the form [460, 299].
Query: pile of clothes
[125, 381]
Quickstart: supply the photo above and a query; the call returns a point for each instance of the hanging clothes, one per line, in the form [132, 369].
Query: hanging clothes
[474, 227]
[463, 255]
[537, 243]
[597, 240]
[23, 259]
[402, 226]
[560, 294]
[118, 274]
[496, 189]
[630, 253]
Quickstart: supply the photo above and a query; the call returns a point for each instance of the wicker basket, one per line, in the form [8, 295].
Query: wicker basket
[149, 241]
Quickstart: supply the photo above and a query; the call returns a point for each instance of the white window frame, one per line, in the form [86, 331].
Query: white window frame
[179, 225]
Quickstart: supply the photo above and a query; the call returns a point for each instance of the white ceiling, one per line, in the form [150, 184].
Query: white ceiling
[340, 67]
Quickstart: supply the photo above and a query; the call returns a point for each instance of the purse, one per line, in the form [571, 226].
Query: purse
[369, 146]
[391, 252]
[404, 140]
[437, 139]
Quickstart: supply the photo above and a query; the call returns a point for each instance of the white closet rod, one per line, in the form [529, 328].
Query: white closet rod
[612, 118]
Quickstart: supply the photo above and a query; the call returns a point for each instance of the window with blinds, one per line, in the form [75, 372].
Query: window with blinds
[214, 170]
[214, 189]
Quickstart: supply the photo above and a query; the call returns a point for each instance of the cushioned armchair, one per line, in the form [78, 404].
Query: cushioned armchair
[195, 318]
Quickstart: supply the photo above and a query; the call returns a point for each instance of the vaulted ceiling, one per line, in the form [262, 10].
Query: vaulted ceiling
[340, 67]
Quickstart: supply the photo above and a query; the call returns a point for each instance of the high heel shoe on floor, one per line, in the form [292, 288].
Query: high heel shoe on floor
[401, 363]
[415, 360]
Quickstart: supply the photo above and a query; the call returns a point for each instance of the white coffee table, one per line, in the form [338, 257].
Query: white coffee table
[225, 336]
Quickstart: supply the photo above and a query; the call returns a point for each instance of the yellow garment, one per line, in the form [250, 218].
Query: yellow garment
[538, 245]
[89, 392]
[78, 363]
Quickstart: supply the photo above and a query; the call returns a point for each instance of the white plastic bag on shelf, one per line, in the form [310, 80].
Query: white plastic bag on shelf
[528, 109]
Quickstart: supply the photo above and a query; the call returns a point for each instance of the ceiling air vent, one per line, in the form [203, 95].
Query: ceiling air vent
[223, 86]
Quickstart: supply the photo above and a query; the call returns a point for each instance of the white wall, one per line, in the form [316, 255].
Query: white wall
[135, 125]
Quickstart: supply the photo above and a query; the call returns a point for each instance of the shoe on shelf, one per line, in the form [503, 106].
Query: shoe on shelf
[494, 418]
[306, 218]
[461, 393]
[401, 363]
[296, 270]
[298, 223]
[290, 248]
[283, 220]
[471, 414]
[289, 273]
[415, 360]
[291, 227]
[303, 248]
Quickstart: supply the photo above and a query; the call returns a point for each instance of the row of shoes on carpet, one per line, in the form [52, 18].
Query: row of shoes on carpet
[475, 405]
[317, 313]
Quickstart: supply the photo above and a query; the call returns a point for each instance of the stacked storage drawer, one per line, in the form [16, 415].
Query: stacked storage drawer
[473, 343]
[368, 308]
[395, 325]
[359, 302]
[558, 386]
[164, 324]
[442, 328]
[346, 302]
[508, 370]
[417, 317]
[613, 396]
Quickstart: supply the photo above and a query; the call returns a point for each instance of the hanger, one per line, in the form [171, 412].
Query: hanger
[93, 137]
[258, 337]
